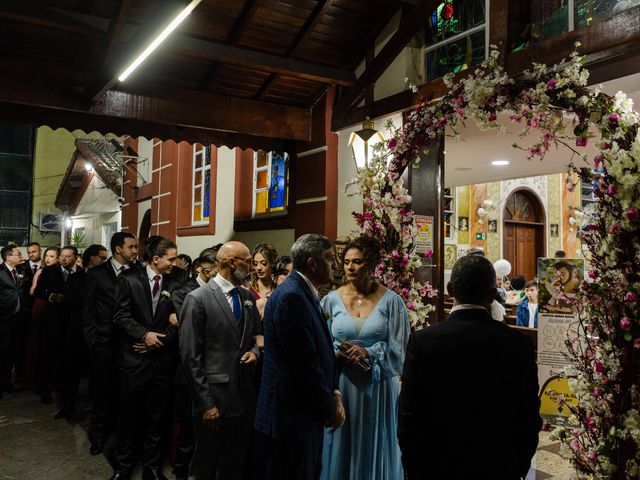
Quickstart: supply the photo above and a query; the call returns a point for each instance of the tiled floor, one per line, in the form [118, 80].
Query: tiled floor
[35, 446]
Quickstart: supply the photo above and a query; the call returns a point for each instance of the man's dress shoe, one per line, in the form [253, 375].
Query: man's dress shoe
[120, 476]
[97, 446]
[64, 412]
[153, 473]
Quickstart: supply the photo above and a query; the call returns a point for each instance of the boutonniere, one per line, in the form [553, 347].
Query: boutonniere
[20, 276]
[248, 304]
[165, 294]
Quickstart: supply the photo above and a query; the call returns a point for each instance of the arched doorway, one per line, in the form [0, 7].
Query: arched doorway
[523, 238]
[145, 230]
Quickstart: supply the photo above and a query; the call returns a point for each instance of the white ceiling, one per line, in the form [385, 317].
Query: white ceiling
[468, 161]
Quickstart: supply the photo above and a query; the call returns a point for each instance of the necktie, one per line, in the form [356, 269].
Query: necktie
[35, 269]
[156, 285]
[235, 302]
[65, 274]
[15, 276]
[122, 268]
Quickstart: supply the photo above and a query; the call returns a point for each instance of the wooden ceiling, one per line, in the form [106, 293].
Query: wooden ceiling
[236, 72]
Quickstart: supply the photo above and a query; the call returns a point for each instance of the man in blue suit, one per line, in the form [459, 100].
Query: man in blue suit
[298, 395]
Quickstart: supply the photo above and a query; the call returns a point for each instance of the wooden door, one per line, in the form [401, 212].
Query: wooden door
[521, 249]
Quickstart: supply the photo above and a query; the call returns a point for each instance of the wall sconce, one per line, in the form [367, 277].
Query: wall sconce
[487, 206]
[362, 143]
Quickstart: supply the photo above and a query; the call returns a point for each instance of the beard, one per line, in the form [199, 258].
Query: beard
[240, 274]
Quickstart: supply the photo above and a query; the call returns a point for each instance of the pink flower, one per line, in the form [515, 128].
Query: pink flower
[429, 254]
[492, 117]
[581, 142]
[592, 456]
[593, 274]
[625, 323]
[546, 427]
[612, 190]
[599, 366]
[597, 161]
[442, 121]
[589, 423]
[597, 392]
[632, 214]
[391, 144]
[551, 83]
[631, 297]
[613, 118]
[575, 444]
[395, 255]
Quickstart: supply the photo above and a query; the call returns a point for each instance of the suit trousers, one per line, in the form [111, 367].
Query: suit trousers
[74, 358]
[8, 341]
[52, 336]
[104, 391]
[185, 441]
[145, 396]
[288, 460]
[221, 454]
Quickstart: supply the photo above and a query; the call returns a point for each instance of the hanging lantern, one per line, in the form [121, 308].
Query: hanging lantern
[362, 143]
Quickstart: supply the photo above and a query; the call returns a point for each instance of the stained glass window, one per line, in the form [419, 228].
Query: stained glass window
[270, 182]
[201, 191]
[455, 37]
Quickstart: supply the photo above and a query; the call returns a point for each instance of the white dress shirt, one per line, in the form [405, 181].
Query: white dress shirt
[117, 266]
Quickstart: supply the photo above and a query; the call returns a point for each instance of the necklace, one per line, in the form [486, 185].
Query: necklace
[359, 300]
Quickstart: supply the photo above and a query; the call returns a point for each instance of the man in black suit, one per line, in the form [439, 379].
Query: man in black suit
[469, 401]
[219, 323]
[298, 395]
[11, 299]
[185, 441]
[98, 310]
[142, 317]
[52, 287]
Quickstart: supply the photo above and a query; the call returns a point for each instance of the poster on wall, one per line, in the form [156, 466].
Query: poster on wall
[450, 255]
[559, 281]
[424, 237]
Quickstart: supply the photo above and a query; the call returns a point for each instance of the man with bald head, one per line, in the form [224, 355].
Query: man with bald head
[219, 322]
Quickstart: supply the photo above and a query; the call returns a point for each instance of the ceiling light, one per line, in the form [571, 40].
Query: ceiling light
[500, 163]
[88, 167]
[159, 39]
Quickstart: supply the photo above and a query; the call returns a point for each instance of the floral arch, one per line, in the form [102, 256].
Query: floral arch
[604, 361]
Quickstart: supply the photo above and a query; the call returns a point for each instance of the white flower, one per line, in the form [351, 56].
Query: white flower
[165, 294]
[248, 304]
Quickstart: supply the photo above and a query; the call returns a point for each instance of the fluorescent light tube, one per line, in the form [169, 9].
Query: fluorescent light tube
[159, 39]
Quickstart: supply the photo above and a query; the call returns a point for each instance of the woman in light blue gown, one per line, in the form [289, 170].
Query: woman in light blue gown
[374, 322]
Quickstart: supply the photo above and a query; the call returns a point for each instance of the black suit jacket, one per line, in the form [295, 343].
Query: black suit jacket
[134, 317]
[177, 297]
[11, 299]
[51, 281]
[74, 292]
[469, 402]
[99, 304]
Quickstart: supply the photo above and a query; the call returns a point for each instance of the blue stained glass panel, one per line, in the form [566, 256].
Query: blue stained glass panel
[278, 187]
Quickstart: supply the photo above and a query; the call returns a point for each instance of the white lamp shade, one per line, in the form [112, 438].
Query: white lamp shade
[362, 144]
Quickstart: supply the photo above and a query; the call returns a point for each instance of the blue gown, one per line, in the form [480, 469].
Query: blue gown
[366, 447]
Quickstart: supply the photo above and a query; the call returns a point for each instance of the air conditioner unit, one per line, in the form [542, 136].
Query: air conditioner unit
[50, 222]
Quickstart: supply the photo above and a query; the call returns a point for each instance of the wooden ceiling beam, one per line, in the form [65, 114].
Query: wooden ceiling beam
[33, 14]
[240, 25]
[251, 59]
[298, 41]
[116, 26]
[409, 25]
[151, 104]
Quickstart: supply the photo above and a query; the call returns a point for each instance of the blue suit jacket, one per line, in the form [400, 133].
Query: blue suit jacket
[296, 393]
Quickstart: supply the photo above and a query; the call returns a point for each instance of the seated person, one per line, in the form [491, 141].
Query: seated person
[516, 294]
[527, 315]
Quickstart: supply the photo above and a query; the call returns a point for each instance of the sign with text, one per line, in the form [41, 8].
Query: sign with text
[424, 237]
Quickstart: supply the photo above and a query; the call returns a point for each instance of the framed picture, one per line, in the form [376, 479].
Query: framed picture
[553, 230]
[493, 226]
[463, 224]
[450, 255]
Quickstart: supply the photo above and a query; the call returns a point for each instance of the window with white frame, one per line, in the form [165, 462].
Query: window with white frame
[201, 185]
[456, 37]
[270, 182]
